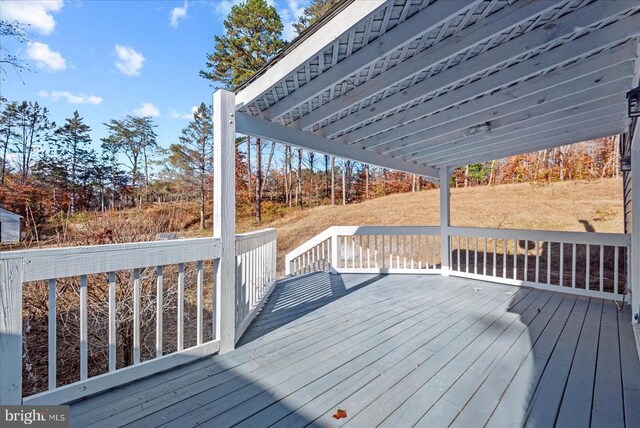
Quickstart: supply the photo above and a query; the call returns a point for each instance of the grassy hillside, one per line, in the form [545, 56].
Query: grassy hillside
[569, 206]
[575, 206]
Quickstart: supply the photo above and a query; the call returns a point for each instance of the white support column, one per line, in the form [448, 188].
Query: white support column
[445, 220]
[634, 260]
[224, 215]
[11, 331]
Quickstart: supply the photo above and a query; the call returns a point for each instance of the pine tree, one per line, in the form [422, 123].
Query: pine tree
[193, 156]
[72, 153]
[316, 10]
[8, 133]
[253, 35]
[33, 130]
[136, 139]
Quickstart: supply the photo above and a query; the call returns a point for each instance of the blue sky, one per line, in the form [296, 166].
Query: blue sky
[107, 59]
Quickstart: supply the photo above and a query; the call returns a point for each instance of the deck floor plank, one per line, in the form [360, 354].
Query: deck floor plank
[397, 399]
[195, 401]
[630, 364]
[575, 409]
[253, 357]
[383, 355]
[390, 379]
[608, 404]
[400, 350]
[544, 406]
[315, 366]
[512, 409]
[478, 410]
[496, 338]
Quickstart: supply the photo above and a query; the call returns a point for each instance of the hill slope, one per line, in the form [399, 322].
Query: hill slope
[569, 206]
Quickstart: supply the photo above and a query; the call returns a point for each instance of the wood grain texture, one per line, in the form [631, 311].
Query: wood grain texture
[224, 215]
[75, 261]
[11, 331]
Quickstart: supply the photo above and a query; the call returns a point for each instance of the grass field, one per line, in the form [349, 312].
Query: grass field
[572, 206]
[569, 206]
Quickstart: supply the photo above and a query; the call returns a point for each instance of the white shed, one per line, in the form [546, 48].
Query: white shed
[9, 227]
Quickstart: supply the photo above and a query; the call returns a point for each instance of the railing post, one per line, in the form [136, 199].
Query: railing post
[634, 260]
[445, 221]
[335, 252]
[224, 215]
[11, 275]
[288, 267]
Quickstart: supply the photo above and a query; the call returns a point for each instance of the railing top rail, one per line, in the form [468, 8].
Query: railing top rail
[53, 263]
[316, 240]
[591, 238]
[251, 240]
[359, 230]
[385, 230]
[103, 248]
[249, 235]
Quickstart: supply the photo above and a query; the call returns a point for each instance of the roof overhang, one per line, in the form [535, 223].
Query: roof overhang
[420, 85]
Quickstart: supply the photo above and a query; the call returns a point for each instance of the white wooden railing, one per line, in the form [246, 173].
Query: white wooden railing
[126, 271]
[255, 274]
[590, 264]
[369, 249]
[134, 285]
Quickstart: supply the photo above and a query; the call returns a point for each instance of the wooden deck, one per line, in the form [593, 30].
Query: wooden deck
[398, 351]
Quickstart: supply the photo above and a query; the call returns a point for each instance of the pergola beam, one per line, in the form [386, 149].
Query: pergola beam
[519, 122]
[463, 40]
[535, 143]
[252, 125]
[509, 51]
[586, 113]
[416, 26]
[504, 123]
[317, 42]
[603, 66]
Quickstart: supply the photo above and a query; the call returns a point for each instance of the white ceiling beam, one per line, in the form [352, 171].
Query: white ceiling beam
[552, 120]
[510, 50]
[251, 125]
[586, 114]
[594, 64]
[605, 130]
[416, 26]
[537, 107]
[467, 38]
[308, 48]
[593, 124]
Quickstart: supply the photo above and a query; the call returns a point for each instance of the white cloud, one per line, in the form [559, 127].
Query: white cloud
[146, 109]
[34, 13]
[178, 13]
[173, 114]
[129, 60]
[44, 57]
[72, 98]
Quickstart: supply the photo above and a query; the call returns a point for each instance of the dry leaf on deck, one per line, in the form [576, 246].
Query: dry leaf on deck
[340, 414]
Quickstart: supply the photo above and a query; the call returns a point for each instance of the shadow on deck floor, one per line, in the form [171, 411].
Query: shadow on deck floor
[396, 351]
